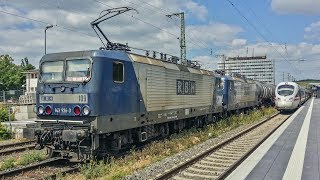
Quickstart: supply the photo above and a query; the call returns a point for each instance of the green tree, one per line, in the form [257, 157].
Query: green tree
[11, 76]
[10, 73]
[26, 66]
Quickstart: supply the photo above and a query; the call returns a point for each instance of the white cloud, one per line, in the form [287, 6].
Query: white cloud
[23, 38]
[238, 42]
[199, 11]
[213, 34]
[74, 23]
[312, 32]
[7, 20]
[207, 62]
[296, 6]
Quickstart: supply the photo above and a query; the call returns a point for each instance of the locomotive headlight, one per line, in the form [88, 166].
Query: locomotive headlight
[40, 110]
[86, 110]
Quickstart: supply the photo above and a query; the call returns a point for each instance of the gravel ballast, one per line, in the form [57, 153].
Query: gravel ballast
[155, 169]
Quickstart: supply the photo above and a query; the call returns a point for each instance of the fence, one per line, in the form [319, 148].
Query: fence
[12, 96]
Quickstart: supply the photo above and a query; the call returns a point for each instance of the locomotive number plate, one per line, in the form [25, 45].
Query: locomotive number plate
[64, 98]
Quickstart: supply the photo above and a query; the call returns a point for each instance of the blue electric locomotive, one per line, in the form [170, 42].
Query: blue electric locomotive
[95, 102]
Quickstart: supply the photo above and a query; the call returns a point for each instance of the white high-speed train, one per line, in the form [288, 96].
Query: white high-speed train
[289, 96]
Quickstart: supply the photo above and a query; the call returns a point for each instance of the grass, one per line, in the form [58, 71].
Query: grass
[156, 151]
[30, 157]
[7, 164]
[26, 158]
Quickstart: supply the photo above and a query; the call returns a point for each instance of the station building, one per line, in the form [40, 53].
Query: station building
[29, 97]
[255, 67]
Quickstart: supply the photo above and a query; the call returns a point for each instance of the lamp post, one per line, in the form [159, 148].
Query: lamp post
[45, 37]
[3, 93]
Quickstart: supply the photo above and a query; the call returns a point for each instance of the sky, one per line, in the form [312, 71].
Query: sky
[287, 31]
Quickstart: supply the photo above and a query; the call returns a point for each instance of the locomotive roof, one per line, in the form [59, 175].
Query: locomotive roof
[88, 53]
[288, 83]
[169, 65]
[126, 56]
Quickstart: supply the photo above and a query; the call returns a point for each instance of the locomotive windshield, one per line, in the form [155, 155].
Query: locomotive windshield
[52, 71]
[78, 70]
[74, 70]
[285, 90]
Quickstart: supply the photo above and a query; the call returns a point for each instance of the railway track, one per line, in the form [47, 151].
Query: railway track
[52, 166]
[16, 147]
[219, 161]
[71, 169]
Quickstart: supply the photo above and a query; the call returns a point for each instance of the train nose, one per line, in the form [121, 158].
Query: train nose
[284, 104]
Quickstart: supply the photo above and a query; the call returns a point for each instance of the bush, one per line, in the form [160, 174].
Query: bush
[4, 114]
[4, 133]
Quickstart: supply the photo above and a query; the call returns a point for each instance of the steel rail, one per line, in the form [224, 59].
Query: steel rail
[63, 172]
[170, 173]
[17, 149]
[5, 146]
[245, 156]
[18, 170]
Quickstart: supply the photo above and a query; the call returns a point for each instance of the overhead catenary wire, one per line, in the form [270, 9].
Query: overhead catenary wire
[46, 23]
[60, 7]
[57, 25]
[102, 3]
[257, 17]
[165, 12]
[260, 34]
[198, 44]
[263, 25]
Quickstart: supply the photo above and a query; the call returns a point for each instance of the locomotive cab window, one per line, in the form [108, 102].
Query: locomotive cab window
[285, 90]
[78, 70]
[118, 72]
[51, 71]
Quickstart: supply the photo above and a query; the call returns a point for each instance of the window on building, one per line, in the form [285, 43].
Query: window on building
[118, 72]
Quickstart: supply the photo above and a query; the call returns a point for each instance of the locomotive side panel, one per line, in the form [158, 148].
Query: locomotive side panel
[239, 94]
[170, 93]
[118, 101]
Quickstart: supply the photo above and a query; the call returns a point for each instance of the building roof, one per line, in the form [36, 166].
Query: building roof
[31, 71]
[247, 58]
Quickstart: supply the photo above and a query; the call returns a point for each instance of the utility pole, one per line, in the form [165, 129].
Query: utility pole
[223, 61]
[183, 53]
[274, 72]
[4, 96]
[288, 76]
[282, 76]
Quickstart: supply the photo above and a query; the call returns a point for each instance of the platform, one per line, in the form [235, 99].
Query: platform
[292, 152]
